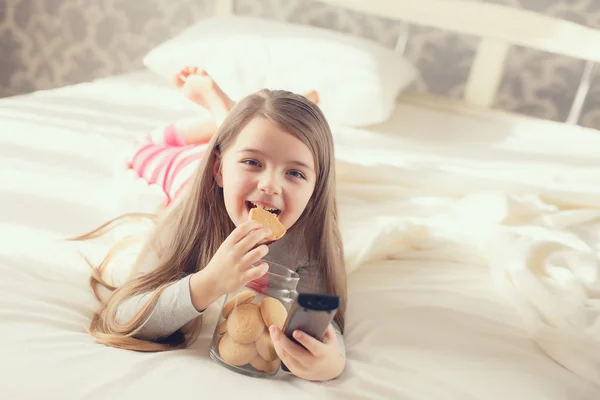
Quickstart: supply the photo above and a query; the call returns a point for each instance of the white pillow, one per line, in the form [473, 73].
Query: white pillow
[357, 80]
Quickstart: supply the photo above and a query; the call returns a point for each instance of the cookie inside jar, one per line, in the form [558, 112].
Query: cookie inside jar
[241, 339]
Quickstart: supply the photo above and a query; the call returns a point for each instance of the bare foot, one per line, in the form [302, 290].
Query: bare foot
[312, 96]
[199, 87]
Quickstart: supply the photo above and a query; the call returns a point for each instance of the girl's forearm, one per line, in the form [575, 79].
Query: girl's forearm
[173, 309]
[202, 290]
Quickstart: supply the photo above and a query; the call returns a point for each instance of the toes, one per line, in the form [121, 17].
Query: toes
[179, 78]
[316, 98]
[313, 96]
[177, 81]
[187, 70]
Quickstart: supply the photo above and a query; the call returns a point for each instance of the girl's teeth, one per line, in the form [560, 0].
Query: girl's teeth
[269, 209]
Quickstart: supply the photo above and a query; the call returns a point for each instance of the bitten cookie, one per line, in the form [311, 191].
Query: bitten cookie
[241, 298]
[245, 323]
[273, 312]
[265, 346]
[234, 353]
[268, 220]
[263, 365]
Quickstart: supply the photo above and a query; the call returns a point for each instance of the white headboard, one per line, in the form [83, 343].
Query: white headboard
[499, 28]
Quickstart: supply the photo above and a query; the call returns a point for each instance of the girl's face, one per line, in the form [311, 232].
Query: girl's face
[266, 166]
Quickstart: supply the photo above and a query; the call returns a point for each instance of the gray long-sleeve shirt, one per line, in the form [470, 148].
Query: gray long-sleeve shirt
[174, 307]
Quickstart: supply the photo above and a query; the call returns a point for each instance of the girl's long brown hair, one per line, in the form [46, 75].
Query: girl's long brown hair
[185, 239]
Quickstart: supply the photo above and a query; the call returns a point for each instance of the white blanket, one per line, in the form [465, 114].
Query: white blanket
[531, 215]
[544, 257]
[427, 219]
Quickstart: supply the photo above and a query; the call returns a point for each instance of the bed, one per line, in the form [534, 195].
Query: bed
[475, 276]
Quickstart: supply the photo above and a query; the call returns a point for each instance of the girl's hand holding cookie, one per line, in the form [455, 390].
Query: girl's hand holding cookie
[318, 361]
[232, 265]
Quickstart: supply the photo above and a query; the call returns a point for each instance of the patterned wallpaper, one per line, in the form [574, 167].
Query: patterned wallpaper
[50, 43]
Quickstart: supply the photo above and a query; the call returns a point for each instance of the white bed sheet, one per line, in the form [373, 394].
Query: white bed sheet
[426, 319]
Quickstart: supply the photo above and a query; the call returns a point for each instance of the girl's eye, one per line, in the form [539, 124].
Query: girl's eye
[297, 174]
[252, 163]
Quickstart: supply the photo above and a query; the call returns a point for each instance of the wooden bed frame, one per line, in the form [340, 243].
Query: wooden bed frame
[498, 27]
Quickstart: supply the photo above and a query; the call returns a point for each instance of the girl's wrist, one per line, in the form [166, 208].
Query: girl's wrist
[202, 290]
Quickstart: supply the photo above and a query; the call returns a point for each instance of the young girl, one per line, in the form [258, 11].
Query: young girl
[273, 148]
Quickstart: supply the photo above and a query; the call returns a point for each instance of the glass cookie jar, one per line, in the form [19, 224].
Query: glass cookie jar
[241, 340]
